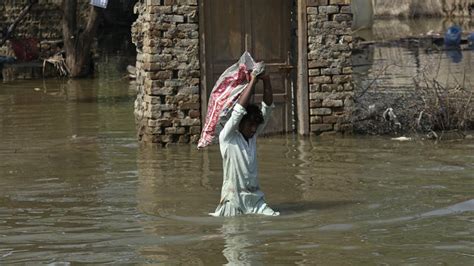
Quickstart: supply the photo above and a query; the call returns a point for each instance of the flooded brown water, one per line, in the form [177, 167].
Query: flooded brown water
[76, 187]
[399, 67]
[391, 66]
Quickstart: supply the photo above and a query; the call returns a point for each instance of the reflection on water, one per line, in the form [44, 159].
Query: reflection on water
[75, 186]
[393, 66]
[238, 242]
[393, 29]
[397, 69]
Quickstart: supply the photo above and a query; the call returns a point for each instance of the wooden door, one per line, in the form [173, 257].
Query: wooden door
[262, 27]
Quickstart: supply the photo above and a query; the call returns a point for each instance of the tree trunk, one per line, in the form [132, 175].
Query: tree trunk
[77, 45]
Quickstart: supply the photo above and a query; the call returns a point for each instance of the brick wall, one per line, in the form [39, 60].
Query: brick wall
[329, 65]
[168, 71]
[42, 22]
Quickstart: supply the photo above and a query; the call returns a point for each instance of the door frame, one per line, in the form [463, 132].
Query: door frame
[202, 58]
[301, 92]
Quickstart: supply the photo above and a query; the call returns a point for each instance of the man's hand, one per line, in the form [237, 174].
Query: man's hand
[253, 76]
[267, 89]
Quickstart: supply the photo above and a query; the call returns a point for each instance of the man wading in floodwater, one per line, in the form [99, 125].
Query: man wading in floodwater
[240, 189]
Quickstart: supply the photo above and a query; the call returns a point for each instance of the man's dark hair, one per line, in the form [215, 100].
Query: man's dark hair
[254, 114]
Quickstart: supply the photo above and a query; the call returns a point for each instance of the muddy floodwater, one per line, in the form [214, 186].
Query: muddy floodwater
[76, 187]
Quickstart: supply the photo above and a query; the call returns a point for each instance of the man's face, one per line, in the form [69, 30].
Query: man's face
[248, 128]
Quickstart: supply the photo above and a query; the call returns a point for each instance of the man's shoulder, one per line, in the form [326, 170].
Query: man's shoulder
[226, 137]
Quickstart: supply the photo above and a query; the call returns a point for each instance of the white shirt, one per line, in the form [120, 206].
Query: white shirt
[240, 188]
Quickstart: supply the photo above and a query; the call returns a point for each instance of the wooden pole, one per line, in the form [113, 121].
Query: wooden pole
[302, 92]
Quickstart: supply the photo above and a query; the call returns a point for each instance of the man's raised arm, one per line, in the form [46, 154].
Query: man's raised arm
[267, 90]
[248, 91]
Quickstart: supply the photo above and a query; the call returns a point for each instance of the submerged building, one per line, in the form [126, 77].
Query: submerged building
[184, 45]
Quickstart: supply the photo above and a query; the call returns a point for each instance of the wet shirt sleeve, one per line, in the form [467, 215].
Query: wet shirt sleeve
[233, 123]
[267, 113]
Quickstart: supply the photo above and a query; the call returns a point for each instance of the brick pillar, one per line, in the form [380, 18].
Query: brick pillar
[329, 65]
[168, 71]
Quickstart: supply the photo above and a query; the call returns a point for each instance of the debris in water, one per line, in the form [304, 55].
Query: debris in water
[402, 139]
[389, 115]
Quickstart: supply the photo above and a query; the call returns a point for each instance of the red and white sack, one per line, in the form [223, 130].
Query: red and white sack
[225, 94]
